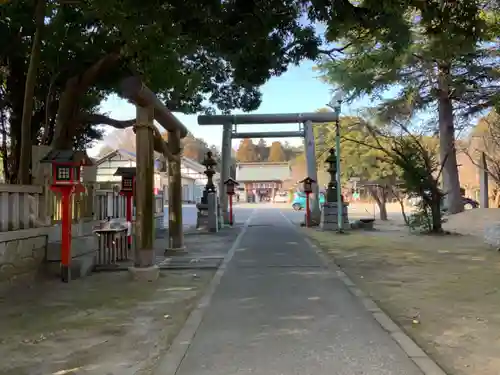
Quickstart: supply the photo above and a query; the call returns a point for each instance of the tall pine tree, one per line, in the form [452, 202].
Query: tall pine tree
[441, 61]
[276, 153]
[246, 151]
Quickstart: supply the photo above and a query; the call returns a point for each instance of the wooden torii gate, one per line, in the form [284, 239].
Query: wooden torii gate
[148, 140]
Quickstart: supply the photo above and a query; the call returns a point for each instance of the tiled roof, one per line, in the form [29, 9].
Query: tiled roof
[262, 172]
[67, 156]
[129, 155]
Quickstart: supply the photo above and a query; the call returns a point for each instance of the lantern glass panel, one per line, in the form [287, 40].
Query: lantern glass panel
[63, 173]
[127, 183]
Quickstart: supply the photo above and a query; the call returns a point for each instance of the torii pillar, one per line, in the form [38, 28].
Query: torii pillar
[175, 226]
[148, 138]
[225, 170]
[144, 227]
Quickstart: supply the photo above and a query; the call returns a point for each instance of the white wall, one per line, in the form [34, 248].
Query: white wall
[107, 169]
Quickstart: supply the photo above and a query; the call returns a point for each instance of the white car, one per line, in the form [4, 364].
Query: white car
[281, 197]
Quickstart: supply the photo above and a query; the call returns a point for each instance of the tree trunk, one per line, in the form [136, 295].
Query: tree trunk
[383, 211]
[436, 225]
[497, 198]
[68, 114]
[3, 146]
[448, 155]
[15, 96]
[380, 197]
[24, 176]
[401, 202]
[65, 114]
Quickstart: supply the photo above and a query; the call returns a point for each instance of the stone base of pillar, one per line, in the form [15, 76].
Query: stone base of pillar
[175, 251]
[214, 217]
[329, 216]
[147, 274]
[202, 216]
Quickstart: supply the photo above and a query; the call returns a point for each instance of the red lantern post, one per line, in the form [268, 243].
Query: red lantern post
[307, 182]
[66, 169]
[127, 190]
[230, 185]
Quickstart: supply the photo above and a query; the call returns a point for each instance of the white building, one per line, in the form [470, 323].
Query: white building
[193, 178]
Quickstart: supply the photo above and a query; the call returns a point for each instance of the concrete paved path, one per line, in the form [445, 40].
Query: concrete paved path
[278, 310]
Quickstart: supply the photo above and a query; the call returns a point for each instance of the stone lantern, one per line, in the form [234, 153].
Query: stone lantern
[209, 163]
[331, 192]
[334, 215]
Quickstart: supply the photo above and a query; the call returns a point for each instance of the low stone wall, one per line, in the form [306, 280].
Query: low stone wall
[160, 221]
[24, 253]
[21, 254]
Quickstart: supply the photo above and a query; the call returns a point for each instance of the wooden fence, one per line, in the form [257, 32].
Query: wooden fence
[109, 204]
[20, 206]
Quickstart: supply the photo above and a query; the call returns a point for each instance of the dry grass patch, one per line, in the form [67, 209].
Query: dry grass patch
[452, 283]
[103, 324]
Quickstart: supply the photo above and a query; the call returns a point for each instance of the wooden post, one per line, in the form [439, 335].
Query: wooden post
[144, 252]
[308, 210]
[312, 171]
[231, 210]
[175, 227]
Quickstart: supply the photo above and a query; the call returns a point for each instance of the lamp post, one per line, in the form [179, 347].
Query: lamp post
[335, 104]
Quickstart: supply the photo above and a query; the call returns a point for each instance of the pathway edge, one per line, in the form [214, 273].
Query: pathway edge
[425, 363]
[170, 362]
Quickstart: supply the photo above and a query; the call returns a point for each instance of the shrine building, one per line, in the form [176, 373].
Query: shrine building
[260, 181]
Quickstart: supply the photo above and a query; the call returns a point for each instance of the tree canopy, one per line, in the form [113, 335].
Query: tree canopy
[249, 152]
[197, 56]
[359, 156]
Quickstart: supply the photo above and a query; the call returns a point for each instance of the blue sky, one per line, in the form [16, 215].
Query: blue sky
[298, 90]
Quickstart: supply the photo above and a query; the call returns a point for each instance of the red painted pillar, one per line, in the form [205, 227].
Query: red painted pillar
[308, 212]
[231, 209]
[128, 214]
[66, 235]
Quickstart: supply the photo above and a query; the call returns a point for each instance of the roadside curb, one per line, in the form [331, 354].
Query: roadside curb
[171, 361]
[426, 364]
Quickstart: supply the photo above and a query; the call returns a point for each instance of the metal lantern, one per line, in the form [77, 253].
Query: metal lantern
[307, 184]
[230, 186]
[128, 178]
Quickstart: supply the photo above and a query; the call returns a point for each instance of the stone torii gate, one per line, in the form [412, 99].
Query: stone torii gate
[230, 131]
[148, 139]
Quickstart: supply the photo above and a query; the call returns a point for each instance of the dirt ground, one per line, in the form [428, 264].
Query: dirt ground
[101, 325]
[444, 291]
[472, 222]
